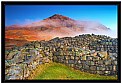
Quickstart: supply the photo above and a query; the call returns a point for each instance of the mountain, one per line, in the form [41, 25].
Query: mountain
[53, 26]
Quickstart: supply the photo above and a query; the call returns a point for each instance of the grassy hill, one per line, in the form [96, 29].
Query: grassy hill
[57, 71]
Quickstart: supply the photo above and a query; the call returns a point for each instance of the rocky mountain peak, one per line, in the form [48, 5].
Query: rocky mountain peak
[58, 16]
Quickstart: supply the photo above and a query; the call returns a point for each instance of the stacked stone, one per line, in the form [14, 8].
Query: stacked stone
[80, 52]
[27, 58]
[90, 64]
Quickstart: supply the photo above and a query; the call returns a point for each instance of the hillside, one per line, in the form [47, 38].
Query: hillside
[53, 26]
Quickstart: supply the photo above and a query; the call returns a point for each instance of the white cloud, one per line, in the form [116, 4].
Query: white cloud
[29, 21]
[25, 21]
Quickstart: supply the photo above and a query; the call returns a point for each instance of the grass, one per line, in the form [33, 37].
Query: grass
[57, 71]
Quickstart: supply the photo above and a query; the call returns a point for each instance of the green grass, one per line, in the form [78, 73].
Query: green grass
[57, 71]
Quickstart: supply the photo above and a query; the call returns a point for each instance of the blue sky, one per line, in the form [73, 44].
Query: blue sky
[22, 14]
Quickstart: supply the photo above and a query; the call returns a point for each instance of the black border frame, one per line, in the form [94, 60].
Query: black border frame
[3, 3]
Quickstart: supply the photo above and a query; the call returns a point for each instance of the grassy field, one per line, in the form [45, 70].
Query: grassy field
[57, 71]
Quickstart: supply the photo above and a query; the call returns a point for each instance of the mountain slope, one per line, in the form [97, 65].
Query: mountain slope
[53, 26]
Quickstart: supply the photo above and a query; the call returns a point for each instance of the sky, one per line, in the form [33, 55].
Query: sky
[23, 14]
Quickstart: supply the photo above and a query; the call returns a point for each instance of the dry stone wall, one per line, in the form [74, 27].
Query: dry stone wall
[95, 54]
[91, 64]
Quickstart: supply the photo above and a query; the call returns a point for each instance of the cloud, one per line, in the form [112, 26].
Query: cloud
[97, 28]
[23, 22]
[29, 21]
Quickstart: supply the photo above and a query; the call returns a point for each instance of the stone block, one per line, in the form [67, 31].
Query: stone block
[71, 61]
[106, 72]
[93, 68]
[86, 67]
[92, 72]
[72, 57]
[114, 62]
[92, 63]
[100, 62]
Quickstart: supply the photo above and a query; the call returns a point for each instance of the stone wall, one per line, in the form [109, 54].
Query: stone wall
[21, 70]
[88, 63]
[81, 52]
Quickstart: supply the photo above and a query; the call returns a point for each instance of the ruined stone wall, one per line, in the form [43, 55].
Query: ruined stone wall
[21, 70]
[89, 64]
[75, 52]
